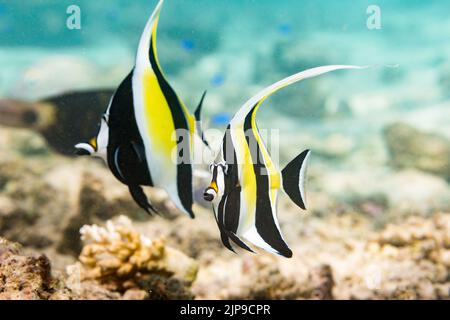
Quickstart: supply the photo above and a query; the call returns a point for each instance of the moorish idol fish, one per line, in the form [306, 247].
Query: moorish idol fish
[57, 118]
[147, 134]
[245, 181]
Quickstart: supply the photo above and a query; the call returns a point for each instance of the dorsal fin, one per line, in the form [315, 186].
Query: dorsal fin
[198, 111]
[248, 107]
[147, 47]
[198, 120]
[142, 57]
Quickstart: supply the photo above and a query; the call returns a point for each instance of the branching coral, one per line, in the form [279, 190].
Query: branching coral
[121, 259]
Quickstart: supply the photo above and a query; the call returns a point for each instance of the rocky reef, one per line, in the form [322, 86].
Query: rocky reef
[23, 277]
[413, 148]
[369, 234]
[377, 225]
[265, 281]
[116, 263]
[405, 261]
[341, 258]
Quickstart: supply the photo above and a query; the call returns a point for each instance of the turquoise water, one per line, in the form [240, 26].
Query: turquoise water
[380, 140]
[234, 48]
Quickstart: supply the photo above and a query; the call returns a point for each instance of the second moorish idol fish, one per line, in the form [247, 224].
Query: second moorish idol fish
[147, 134]
[245, 180]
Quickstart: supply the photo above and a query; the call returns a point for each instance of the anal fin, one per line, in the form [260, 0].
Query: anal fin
[139, 151]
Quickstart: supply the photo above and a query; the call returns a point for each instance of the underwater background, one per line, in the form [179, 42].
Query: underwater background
[378, 224]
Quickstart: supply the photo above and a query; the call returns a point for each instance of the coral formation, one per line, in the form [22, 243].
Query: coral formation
[406, 261]
[121, 259]
[265, 281]
[412, 148]
[341, 257]
[368, 174]
[30, 277]
[24, 277]
[44, 201]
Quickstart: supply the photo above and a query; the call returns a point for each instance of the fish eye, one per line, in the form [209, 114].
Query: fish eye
[30, 117]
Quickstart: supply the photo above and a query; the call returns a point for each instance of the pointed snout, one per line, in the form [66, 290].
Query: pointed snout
[82, 152]
[84, 149]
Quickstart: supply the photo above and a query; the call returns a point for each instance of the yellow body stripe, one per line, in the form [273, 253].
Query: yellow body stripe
[273, 172]
[247, 179]
[191, 124]
[190, 118]
[158, 115]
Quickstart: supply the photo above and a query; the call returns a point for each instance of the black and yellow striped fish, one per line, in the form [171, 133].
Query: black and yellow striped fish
[147, 134]
[245, 180]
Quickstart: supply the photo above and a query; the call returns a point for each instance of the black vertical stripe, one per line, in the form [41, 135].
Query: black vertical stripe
[184, 170]
[130, 168]
[264, 221]
[226, 234]
[233, 208]
[228, 211]
[223, 234]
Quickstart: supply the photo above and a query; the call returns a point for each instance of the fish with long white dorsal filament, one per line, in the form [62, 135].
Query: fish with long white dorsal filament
[145, 124]
[245, 180]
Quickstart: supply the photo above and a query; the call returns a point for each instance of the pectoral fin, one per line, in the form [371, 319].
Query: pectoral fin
[139, 151]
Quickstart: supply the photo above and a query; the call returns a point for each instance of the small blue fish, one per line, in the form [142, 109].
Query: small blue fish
[221, 119]
[112, 14]
[285, 29]
[188, 45]
[218, 79]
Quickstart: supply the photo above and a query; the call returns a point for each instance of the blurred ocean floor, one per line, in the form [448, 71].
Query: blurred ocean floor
[380, 171]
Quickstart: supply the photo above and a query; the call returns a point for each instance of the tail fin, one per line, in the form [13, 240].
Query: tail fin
[294, 179]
